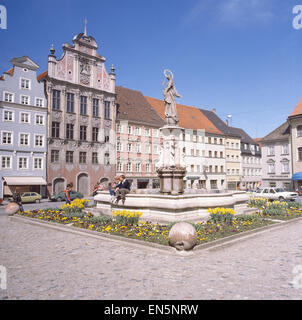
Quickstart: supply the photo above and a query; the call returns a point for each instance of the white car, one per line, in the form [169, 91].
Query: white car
[276, 194]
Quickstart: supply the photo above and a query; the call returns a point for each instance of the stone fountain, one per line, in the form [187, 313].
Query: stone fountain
[171, 204]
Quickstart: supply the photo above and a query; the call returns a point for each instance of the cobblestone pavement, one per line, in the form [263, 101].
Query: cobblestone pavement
[45, 263]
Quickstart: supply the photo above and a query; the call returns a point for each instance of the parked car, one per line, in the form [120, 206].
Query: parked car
[61, 196]
[276, 194]
[27, 197]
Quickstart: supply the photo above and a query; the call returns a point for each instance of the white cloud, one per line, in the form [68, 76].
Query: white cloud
[235, 12]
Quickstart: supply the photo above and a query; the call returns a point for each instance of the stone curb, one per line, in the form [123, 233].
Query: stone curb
[213, 245]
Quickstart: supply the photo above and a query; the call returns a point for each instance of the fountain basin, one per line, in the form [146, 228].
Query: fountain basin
[160, 208]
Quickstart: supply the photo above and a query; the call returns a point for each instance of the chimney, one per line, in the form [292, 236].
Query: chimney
[214, 110]
[227, 122]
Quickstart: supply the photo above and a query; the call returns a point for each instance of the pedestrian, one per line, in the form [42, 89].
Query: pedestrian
[123, 188]
[17, 199]
[67, 194]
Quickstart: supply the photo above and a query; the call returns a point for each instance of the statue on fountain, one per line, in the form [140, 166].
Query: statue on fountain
[171, 166]
[170, 93]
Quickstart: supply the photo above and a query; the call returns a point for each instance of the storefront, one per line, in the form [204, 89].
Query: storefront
[24, 184]
[297, 181]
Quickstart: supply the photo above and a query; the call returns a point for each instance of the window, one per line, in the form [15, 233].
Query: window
[8, 97]
[271, 168]
[147, 132]
[39, 119]
[39, 140]
[119, 128]
[155, 132]
[107, 134]
[245, 146]
[129, 167]
[82, 158]
[54, 156]
[221, 141]
[147, 148]
[25, 84]
[271, 151]
[38, 163]
[24, 139]
[7, 137]
[25, 100]
[129, 147]
[221, 154]
[137, 131]
[213, 184]
[83, 133]
[299, 154]
[56, 99]
[95, 107]
[95, 158]
[221, 169]
[95, 134]
[215, 140]
[6, 162]
[118, 146]
[299, 131]
[285, 149]
[138, 148]
[216, 169]
[55, 129]
[209, 140]
[69, 131]
[285, 167]
[70, 102]
[119, 167]
[107, 110]
[106, 158]
[69, 156]
[8, 115]
[148, 167]
[24, 117]
[215, 154]
[39, 102]
[23, 163]
[83, 105]
[210, 154]
[138, 167]
[129, 130]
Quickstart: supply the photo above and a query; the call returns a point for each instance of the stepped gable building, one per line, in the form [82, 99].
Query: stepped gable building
[276, 158]
[203, 146]
[82, 109]
[232, 150]
[138, 139]
[23, 134]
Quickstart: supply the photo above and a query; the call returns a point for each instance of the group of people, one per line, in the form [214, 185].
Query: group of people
[119, 189]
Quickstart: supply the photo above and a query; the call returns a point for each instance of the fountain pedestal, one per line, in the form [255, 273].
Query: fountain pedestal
[171, 167]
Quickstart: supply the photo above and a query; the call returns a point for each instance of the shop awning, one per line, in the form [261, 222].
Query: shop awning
[297, 176]
[21, 181]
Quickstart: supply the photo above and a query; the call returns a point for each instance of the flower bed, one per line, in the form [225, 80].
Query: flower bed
[276, 209]
[222, 223]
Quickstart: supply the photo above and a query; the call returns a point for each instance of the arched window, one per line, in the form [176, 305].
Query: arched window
[299, 131]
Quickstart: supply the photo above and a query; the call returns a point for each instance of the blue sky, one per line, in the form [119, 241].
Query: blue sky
[242, 57]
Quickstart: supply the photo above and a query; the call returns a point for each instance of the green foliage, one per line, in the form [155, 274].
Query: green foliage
[100, 220]
[273, 211]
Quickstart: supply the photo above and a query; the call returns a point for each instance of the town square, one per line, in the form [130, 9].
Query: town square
[150, 151]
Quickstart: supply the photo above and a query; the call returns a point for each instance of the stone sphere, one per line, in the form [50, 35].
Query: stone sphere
[11, 208]
[183, 236]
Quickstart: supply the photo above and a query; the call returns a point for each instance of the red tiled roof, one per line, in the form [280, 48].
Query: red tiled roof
[42, 75]
[10, 71]
[298, 109]
[189, 117]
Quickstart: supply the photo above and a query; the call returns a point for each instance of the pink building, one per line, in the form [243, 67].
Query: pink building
[138, 139]
[81, 122]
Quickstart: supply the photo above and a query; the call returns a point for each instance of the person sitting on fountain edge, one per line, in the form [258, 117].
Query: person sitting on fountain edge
[123, 189]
